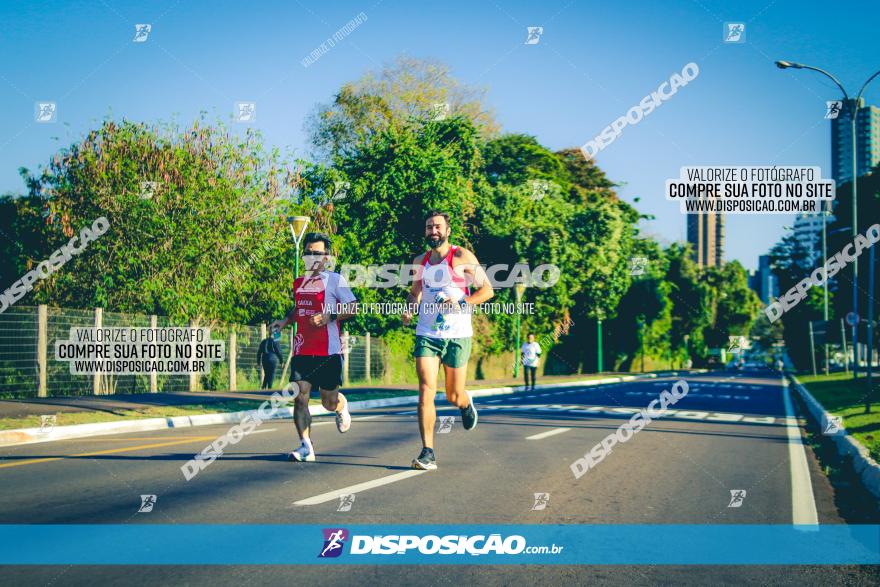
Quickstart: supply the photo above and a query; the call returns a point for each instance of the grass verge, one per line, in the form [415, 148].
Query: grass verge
[842, 396]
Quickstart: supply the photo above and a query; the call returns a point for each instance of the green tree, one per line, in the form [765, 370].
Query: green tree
[643, 313]
[215, 213]
[691, 304]
[735, 305]
[791, 263]
[402, 95]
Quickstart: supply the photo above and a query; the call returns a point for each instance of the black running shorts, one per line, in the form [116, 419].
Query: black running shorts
[324, 372]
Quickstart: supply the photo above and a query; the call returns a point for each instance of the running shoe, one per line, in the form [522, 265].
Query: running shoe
[426, 460]
[343, 419]
[304, 453]
[469, 414]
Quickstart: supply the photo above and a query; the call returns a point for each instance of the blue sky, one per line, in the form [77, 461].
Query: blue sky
[594, 61]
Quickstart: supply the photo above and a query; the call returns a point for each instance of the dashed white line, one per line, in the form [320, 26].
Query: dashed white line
[332, 495]
[549, 433]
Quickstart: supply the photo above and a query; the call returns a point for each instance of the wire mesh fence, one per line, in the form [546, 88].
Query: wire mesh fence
[28, 366]
[18, 351]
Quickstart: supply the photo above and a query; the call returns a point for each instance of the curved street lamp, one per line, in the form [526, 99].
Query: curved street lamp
[297, 229]
[854, 111]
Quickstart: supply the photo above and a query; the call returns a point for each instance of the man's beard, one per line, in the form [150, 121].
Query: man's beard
[435, 241]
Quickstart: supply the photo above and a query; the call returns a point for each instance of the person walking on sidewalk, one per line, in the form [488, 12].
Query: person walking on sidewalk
[268, 356]
[317, 348]
[530, 352]
[443, 331]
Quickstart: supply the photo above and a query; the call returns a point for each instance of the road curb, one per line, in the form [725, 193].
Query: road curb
[867, 468]
[35, 435]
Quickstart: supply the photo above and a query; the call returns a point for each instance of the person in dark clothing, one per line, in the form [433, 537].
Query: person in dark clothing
[269, 355]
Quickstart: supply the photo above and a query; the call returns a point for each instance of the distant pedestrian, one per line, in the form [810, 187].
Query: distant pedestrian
[530, 352]
[269, 355]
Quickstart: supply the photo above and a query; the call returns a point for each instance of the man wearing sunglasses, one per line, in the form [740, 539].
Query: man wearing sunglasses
[317, 348]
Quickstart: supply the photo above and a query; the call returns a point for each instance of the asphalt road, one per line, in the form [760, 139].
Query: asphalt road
[729, 433]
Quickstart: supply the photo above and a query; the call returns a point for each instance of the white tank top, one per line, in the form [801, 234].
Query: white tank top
[453, 322]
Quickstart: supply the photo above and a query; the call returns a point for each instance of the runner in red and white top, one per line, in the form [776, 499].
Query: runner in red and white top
[319, 294]
[317, 348]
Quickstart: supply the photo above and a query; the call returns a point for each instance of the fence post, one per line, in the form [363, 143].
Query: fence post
[193, 377]
[42, 343]
[96, 378]
[232, 363]
[154, 376]
[367, 359]
[386, 371]
[260, 373]
[345, 355]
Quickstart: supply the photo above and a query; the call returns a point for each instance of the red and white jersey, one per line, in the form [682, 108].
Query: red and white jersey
[319, 294]
[437, 279]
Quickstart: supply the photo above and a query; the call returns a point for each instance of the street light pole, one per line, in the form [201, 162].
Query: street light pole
[297, 229]
[825, 281]
[854, 112]
[519, 288]
[641, 321]
[687, 347]
[870, 329]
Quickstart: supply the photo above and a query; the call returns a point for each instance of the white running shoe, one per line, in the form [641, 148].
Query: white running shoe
[305, 452]
[343, 419]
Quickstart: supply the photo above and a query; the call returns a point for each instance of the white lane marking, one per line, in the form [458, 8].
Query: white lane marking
[553, 432]
[494, 401]
[700, 394]
[328, 422]
[618, 411]
[332, 495]
[803, 503]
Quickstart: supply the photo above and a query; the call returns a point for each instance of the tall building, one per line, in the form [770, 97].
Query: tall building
[705, 233]
[808, 232]
[867, 142]
[763, 281]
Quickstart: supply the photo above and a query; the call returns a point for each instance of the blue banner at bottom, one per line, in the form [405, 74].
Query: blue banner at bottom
[160, 544]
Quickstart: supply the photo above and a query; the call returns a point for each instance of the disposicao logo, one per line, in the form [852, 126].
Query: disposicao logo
[334, 540]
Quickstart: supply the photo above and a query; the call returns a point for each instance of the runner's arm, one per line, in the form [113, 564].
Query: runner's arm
[476, 275]
[284, 321]
[415, 290]
[344, 297]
